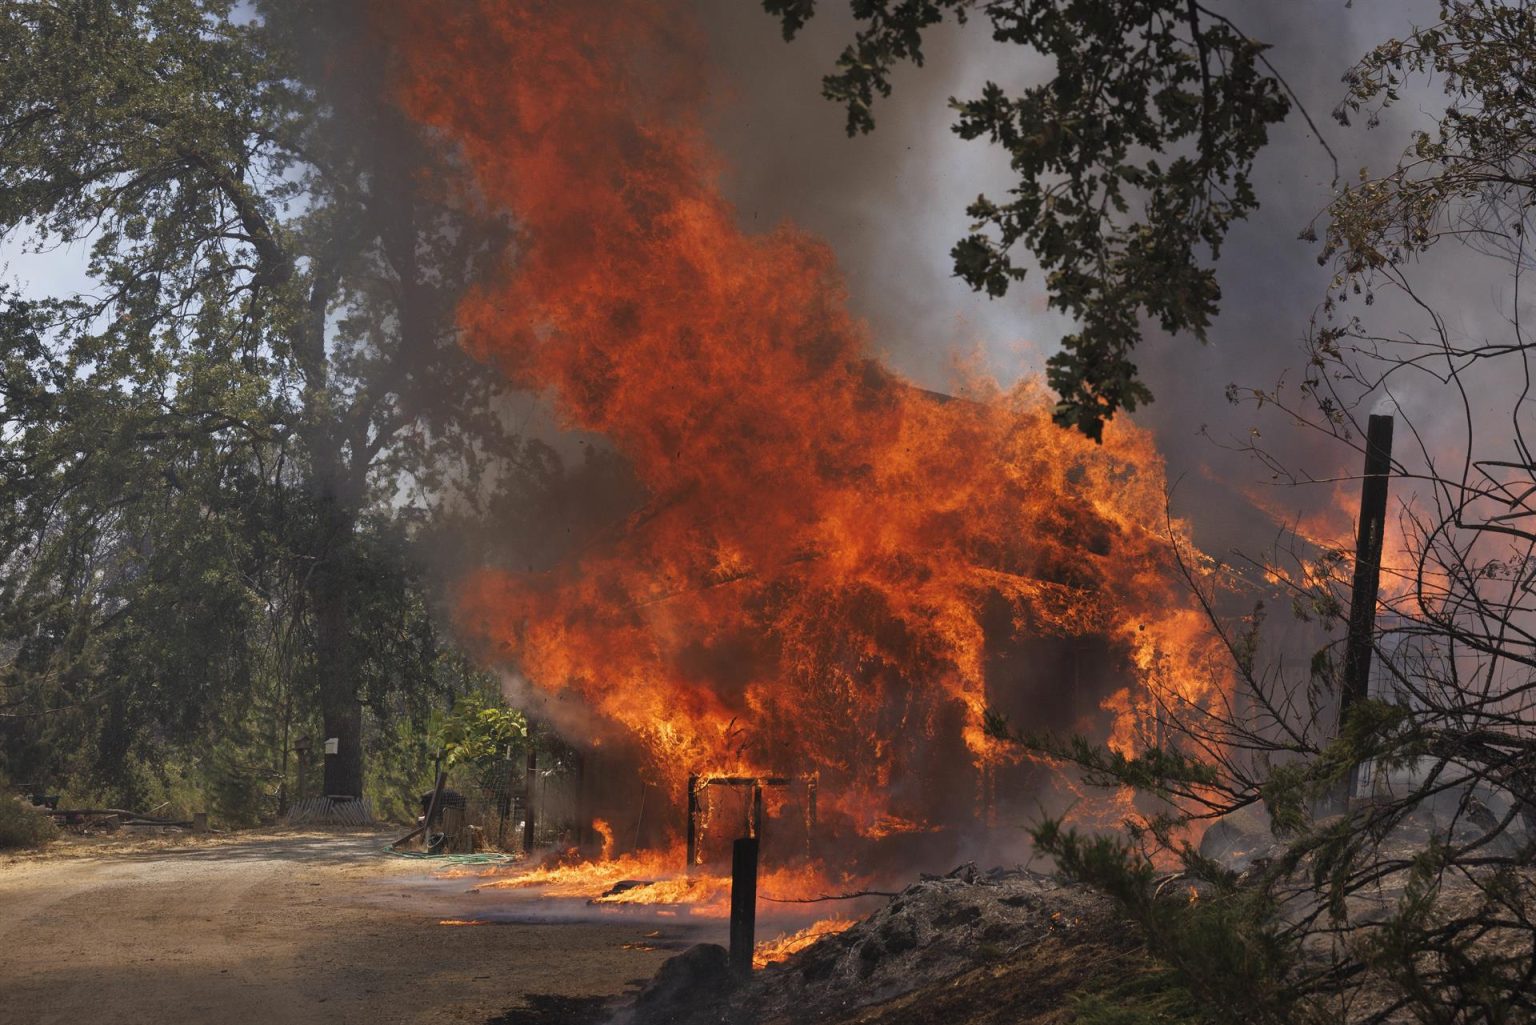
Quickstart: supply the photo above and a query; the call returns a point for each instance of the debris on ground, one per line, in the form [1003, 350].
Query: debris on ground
[987, 927]
[552, 1009]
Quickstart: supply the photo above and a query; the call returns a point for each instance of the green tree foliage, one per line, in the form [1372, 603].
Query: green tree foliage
[1133, 159]
[480, 735]
[1470, 170]
[218, 454]
[1414, 901]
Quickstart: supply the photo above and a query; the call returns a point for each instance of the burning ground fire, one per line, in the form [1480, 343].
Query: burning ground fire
[655, 879]
[771, 951]
[651, 881]
[835, 572]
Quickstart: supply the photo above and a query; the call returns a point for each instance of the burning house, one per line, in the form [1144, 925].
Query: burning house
[833, 575]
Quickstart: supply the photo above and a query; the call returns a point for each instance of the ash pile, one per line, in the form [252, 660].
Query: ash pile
[935, 930]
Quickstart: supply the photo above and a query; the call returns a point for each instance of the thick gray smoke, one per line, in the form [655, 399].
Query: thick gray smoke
[892, 203]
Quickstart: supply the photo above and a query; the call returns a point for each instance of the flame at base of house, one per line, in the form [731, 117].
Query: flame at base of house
[826, 571]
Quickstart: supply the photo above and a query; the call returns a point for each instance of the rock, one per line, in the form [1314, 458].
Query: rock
[685, 986]
[1237, 839]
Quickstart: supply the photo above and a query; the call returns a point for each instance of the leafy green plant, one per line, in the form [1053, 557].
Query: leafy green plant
[1143, 995]
[479, 733]
[1222, 942]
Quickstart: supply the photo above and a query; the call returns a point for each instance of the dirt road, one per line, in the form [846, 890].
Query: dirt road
[291, 930]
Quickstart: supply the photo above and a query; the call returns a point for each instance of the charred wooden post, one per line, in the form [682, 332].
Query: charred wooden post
[693, 822]
[743, 904]
[811, 783]
[1367, 581]
[756, 825]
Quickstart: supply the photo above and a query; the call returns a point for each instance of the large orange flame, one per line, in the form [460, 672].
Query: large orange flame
[809, 583]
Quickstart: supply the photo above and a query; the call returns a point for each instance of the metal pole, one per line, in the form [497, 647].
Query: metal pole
[533, 772]
[743, 904]
[1367, 581]
[504, 803]
[693, 822]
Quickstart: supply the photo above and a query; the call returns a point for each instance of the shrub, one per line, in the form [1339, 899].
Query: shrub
[22, 825]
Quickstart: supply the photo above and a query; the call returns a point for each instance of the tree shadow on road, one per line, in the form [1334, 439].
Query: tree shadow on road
[550, 1009]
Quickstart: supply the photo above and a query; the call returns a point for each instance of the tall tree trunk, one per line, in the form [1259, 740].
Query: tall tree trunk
[336, 654]
[331, 586]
